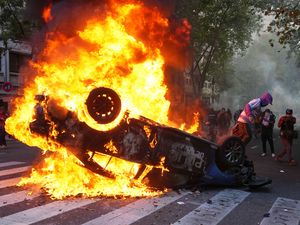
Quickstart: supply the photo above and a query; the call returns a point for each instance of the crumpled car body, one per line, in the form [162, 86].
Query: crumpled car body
[189, 159]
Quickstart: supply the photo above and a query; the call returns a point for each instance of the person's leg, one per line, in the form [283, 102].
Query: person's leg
[212, 133]
[243, 131]
[247, 134]
[264, 142]
[284, 143]
[236, 130]
[219, 130]
[289, 149]
[258, 129]
[292, 162]
[270, 140]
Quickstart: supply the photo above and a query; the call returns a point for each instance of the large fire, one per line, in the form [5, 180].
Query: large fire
[120, 50]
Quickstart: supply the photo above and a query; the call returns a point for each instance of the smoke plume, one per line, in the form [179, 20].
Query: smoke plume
[264, 68]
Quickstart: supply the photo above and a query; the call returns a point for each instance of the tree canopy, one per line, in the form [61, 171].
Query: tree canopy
[13, 25]
[286, 24]
[220, 29]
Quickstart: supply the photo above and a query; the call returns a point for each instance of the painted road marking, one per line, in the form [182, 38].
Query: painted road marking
[9, 182]
[136, 210]
[213, 212]
[40, 213]
[16, 197]
[284, 211]
[12, 163]
[15, 170]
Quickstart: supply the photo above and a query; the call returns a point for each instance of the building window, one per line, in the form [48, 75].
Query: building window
[16, 60]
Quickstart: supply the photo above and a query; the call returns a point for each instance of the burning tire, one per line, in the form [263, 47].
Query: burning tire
[103, 105]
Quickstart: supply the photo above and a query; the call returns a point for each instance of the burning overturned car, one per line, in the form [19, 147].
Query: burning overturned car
[96, 96]
[188, 159]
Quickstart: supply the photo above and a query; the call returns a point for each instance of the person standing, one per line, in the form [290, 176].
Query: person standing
[211, 122]
[3, 117]
[286, 125]
[223, 122]
[267, 125]
[229, 113]
[247, 117]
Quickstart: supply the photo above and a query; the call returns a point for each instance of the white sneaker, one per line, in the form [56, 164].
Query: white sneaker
[263, 154]
[273, 155]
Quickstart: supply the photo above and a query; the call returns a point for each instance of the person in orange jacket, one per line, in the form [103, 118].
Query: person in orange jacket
[247, 117]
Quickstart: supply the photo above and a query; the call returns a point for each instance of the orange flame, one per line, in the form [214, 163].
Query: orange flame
[114, 52]
[195, 125]
[46, 14]
[63, 175]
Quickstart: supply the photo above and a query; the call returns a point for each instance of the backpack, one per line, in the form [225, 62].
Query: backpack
[287, 128]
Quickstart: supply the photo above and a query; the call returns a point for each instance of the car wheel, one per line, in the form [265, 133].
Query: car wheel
[103, 105]
[231, 152]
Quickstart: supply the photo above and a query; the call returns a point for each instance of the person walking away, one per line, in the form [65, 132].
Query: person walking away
[267, 125]
[247, 117]
[286, 125]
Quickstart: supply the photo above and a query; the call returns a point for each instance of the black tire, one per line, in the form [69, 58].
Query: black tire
[231, 152]
[103, 105]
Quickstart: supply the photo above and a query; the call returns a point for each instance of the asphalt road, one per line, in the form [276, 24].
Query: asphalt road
[278, 203]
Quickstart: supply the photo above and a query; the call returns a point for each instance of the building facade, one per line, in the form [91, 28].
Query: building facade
[12, 57]
[210, 93]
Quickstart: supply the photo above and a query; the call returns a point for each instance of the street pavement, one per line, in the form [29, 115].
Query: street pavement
[278, 203]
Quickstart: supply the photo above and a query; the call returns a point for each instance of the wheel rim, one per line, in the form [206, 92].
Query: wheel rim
[103, 105]
[233, 151]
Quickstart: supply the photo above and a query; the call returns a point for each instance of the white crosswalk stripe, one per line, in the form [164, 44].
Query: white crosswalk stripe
[9, 182]
[213, 212]
[209, 211]
[16, 197]
[12, 181]
[136, 210]
[40, 213]
[283, 211]
[15, 170]
[11, 163]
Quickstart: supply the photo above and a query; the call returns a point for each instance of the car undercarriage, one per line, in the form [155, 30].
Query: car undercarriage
[187, 158]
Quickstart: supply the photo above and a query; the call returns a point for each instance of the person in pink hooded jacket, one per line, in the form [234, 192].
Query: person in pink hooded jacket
[247, 117]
